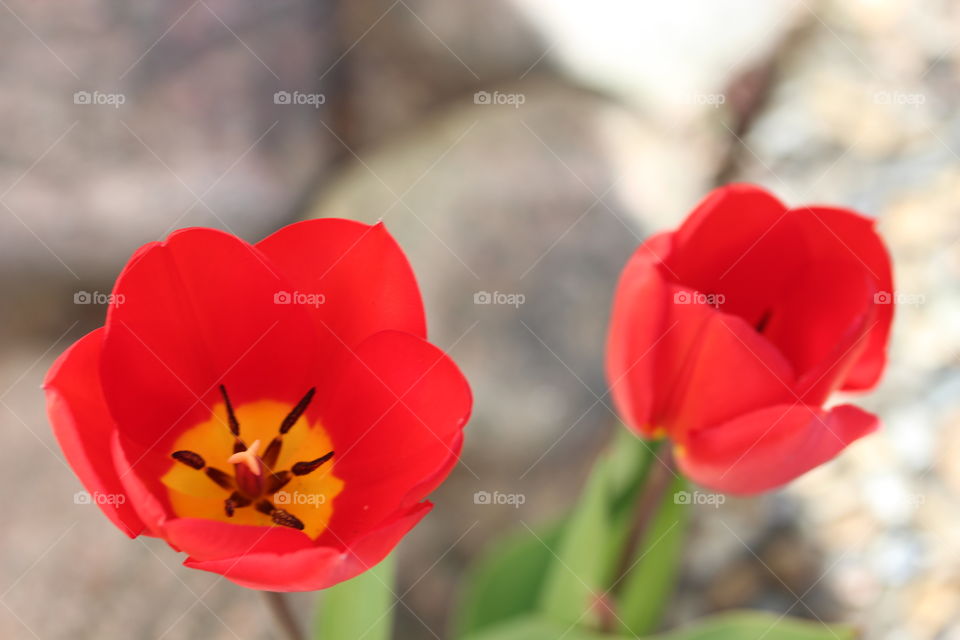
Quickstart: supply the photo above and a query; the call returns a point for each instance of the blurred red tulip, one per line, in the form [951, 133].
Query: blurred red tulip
[273, 410]
[729, 334]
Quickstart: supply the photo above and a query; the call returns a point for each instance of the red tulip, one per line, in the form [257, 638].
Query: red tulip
[729, 334]
[273, 410]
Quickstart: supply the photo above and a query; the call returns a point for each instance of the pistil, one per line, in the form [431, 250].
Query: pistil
[248, 470]
[254, 479]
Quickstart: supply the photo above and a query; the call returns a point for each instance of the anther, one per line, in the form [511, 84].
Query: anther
[297, 411]
[189, 458]
[231, 416]
[277, 481]
[281, 517]
[223, 479]
[269, 457]
[303, 468]
[235, 501]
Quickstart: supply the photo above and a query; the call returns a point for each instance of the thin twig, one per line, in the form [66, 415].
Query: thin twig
[280, 608]
[654, 491]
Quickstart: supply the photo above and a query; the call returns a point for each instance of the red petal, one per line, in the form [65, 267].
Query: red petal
[637, 328]
[741, 243]
[140, 470]
[770, 447]
[854, 237]
[316, 567]
[215, 540]
[365, 280]
[775, 265]
[83, 426]
[714, 367]
[196, 311]
[396, 421]
[821, 324]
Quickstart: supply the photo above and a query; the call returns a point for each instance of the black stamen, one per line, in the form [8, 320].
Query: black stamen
[189, 458]
[223, 479]
[298, 410]
[278, 481]
[285, 519]
[238, 446]
[235, 501]
[303, 468]
[234, 424]
[269, 457]
[265, 507]
[764, 321]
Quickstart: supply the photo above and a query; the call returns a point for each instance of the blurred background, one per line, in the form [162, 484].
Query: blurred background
[518, 147]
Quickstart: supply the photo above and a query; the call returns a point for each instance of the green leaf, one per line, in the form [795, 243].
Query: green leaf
[648, 586]
[359, 608]
[506, 581]
[578, 573]
[535, 628]
[629, 459]
[744, 625]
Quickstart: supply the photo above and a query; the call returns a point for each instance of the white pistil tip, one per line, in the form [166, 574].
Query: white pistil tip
[248, 457]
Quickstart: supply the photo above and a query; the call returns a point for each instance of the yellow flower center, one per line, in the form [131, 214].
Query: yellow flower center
[215, 476]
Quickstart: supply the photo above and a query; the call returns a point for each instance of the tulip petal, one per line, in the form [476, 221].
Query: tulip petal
[739, 243]
[714, 367]
[359, 271]
[770, 447]
[844, 233]
[769, 262]
[84, 428]
[396, 421]
[215, 540]
[821, 322]
[637, 328]
[140, 469]
[317, 567]
[193, 312]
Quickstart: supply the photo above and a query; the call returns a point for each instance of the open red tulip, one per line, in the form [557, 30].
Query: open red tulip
[729, 334]
[273, 410]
